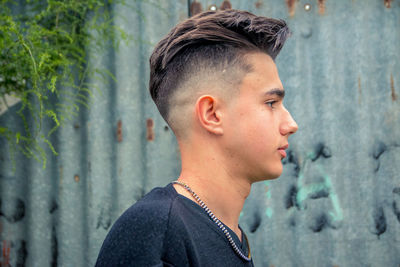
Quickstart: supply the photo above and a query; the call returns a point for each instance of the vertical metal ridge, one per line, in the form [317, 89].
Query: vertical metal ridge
[341, 73]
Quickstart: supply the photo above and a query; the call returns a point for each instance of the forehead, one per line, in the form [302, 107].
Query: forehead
[263, 76]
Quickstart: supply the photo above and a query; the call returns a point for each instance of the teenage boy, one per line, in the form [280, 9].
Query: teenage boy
[214, 80]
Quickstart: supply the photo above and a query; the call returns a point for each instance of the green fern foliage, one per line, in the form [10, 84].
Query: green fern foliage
[43, 61]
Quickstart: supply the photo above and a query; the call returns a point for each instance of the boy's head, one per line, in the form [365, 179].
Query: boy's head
[214, 80]
[207, 54]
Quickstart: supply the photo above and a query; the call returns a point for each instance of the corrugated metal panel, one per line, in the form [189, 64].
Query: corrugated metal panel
[338, 200]
[66, 210]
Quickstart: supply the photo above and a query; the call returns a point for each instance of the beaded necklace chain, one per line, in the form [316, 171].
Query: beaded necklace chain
[218, 223]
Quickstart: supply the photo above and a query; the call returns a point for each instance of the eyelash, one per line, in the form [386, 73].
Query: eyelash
[270, 103]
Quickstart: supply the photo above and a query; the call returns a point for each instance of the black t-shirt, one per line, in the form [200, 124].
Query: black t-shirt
[165, 228]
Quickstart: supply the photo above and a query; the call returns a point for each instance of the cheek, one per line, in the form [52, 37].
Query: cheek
[257, 136]
[253, 128]
[263, 133]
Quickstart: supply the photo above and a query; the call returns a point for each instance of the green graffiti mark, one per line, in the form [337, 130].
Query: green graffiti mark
[269, 194]
[269, 212]
[307, 190]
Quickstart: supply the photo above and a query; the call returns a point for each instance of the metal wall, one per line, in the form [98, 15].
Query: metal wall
[338, 200]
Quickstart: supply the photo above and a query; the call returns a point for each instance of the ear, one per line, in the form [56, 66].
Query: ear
[209, 114]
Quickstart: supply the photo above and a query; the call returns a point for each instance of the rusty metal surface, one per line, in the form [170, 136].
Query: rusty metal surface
[59, 216]
[338, 200]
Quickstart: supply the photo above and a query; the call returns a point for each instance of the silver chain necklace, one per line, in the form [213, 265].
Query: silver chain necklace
[218, 223]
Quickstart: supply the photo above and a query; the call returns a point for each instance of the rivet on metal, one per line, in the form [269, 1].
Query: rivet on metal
[291, 4]
[6, 253]
[119, 131]
[359, 90]
[150, 130]
[212, 8]
[225, 5]
[258, 4]
[307, 7]
[195, 8]
[321, 6]
[306, 32]
[394, 95]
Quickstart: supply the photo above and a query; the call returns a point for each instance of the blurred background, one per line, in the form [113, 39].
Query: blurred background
[337, 202]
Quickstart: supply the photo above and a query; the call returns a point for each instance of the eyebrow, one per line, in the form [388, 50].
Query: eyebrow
[276, 91]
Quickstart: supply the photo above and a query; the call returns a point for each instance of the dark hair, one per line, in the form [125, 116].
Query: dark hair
[211, 39]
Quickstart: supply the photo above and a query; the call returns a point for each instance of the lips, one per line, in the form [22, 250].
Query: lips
[282, 150]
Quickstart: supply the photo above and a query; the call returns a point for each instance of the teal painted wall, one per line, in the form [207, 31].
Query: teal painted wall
[337, 202]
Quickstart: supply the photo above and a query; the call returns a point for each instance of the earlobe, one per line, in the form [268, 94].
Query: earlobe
[209, 114]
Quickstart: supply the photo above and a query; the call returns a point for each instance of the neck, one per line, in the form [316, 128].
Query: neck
[224, 194]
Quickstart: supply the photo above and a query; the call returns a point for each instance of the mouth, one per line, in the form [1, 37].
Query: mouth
[282, 150]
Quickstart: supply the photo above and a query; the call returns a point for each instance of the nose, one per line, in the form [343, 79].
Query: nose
[288, 125]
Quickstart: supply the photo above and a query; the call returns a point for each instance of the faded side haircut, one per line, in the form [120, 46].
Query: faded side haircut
[210, 45]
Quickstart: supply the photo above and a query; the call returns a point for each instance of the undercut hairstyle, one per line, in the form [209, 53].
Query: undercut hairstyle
[208, 48]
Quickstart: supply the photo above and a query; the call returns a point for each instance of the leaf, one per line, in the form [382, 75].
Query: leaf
[53, 83]
[44, 62]
[17, 137]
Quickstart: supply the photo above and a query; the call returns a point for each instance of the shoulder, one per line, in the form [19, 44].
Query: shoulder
[152, 208]
[138, 235]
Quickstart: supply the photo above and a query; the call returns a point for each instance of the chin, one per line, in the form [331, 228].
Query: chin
[269, 176]
[273, 174]
[273, 177]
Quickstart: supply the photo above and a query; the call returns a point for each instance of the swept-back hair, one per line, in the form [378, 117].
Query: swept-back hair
[211, 39]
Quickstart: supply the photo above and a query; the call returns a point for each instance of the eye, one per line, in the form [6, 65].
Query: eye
[270, 103]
